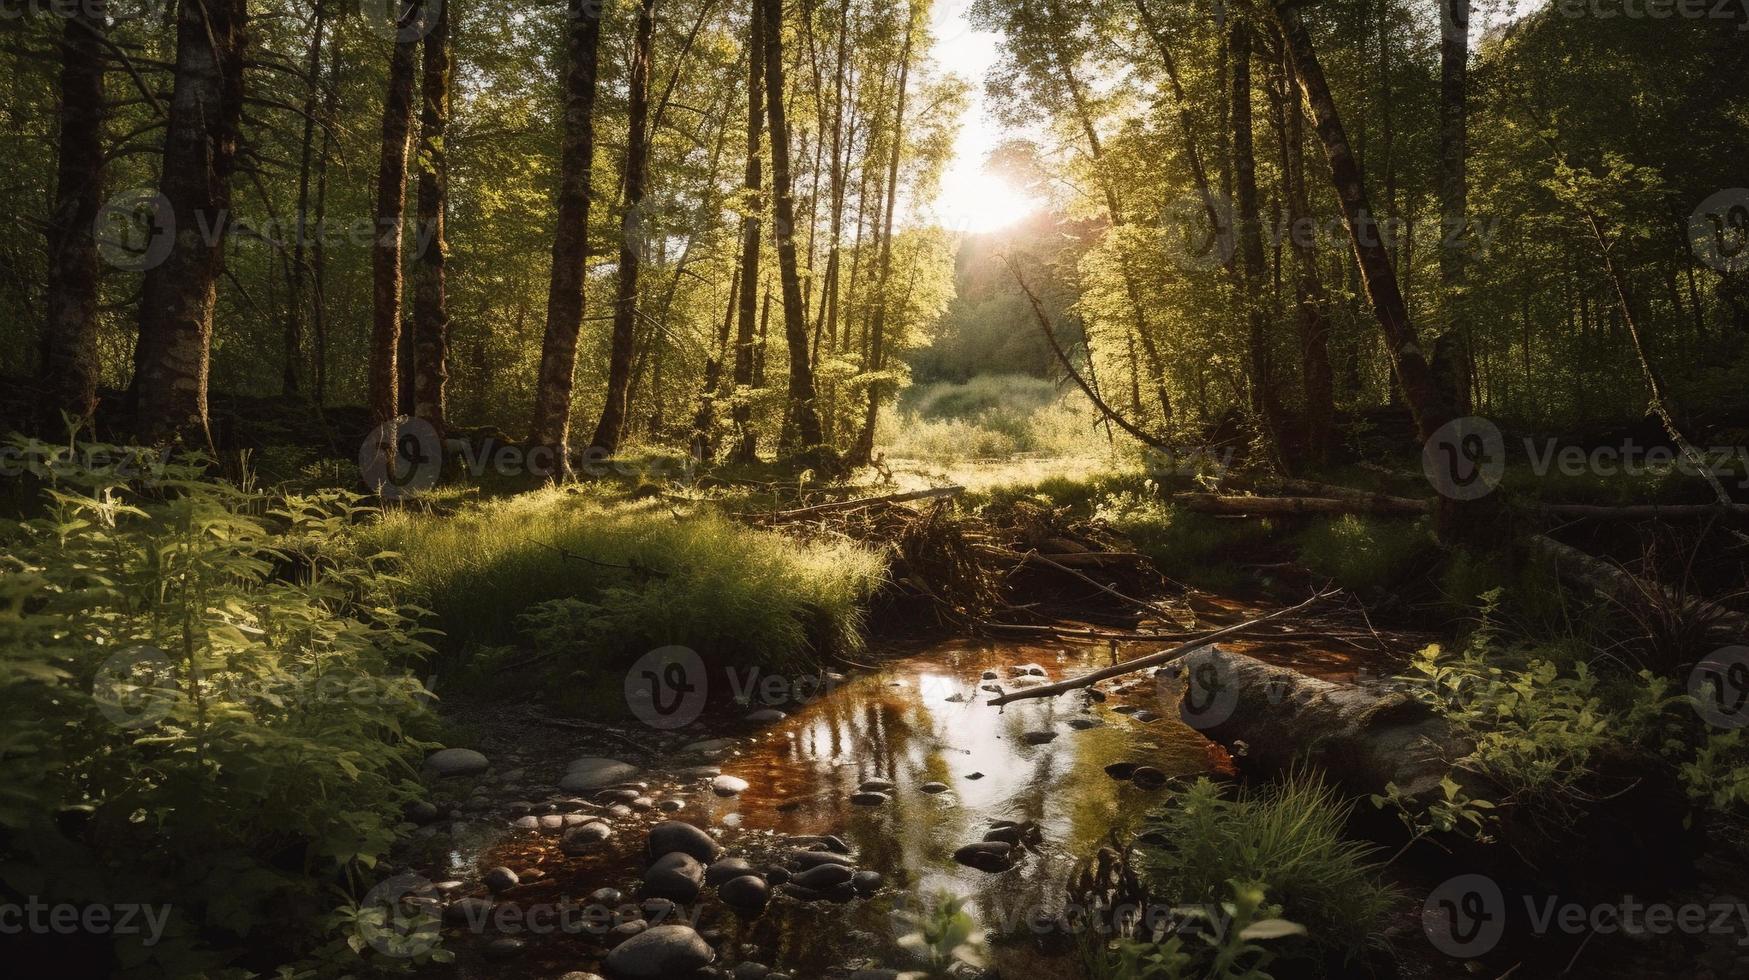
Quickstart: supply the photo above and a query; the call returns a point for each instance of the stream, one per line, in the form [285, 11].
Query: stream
[896, 724]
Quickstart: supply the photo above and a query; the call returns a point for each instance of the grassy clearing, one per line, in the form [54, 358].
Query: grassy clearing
[989, 417]
[631, 577]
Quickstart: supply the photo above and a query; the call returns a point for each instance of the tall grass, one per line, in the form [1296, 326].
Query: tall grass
[991, 417]
[644, 577]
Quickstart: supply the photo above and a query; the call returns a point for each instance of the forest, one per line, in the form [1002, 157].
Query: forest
[665, 489]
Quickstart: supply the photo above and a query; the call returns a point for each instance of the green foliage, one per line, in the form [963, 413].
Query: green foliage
[945, 934]
[1287, 838]
[1228, 949]
[1200, 549]
[210, 702]
[990, 417]
[639, 578]
[1366, 555]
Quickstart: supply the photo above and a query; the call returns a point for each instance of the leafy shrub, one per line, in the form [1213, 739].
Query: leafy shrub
[644, 578]
[1233, 951]
[1286, 839]
[209, 704]
[1190, 547]
[1366, 555]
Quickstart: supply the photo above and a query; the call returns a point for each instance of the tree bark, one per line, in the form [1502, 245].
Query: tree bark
[747, 448]
[558, 366]
[291, 380]
[386, 279]
[803, 406]
[70, 334]
[1264, 401]
[1450, 363]
[1310, 298]
[430, 299]
[632, 228]
[200, 151]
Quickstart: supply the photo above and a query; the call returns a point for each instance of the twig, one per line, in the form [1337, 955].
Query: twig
[859, 502]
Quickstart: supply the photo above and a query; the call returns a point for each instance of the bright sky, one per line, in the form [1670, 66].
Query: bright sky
[972, 200]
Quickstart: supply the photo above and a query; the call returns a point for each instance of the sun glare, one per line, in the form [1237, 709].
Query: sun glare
[975, 201]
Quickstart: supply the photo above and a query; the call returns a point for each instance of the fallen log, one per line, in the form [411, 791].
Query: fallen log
[1618, 584]
[1642, 512]
[1195, 642]
[1273, 719]
[1210, 503]
[856, 503]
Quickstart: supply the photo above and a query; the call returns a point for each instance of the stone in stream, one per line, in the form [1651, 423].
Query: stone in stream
[1039, 738]
[991, 856]
[500, 879]
[504, 948]
[676, 877]
[866, 882]
[766, 716]
[642, 804]
[728, 785]
[623, 931]
[671, 806]
[661, 953]
[591, 773]
[470, 911]
[747, 893]
[725, 869]
[876, 786]
[699, 772]
[1147, 777]
[751, 971]
[824, 876]
[578, 819]
[956, 699]
[1008, 835]
[813, 859]
[526, 823]
[991, 675]
[933, 787]
[710, 747]
[673, 835]
[606, 897]
[992, 688]
[580, 975]
[1121, 770]
[551, 823]
[1028, 670]
[420, 812]
[1127, 709]
[617, 794]
[777, 876]
[974, 775]
[581, 840]
[1145, 715]
[455, 762]
[870, 799]
[1082, 724]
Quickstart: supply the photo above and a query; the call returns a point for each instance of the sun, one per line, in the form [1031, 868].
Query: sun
[975, 201]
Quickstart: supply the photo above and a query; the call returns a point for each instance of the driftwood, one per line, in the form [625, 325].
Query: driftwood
[856, 503]
[1273, 719]
[1195, 642]
[1617, 583]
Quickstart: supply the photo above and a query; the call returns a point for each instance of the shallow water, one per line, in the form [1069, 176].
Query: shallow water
[895, 724]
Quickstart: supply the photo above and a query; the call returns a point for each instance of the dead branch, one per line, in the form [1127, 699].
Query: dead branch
[1209, 503]
[837, 506]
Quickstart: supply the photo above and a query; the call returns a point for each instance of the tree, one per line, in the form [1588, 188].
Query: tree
[1450, 359]
[565, 294]
[747, 446]
[430, 299]
[631, 230]
[70, 334]
[385, 367]
[172, 359]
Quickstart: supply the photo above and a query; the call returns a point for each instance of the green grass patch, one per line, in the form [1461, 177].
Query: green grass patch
[1199, 549]
[1367, 555]
[636, 576]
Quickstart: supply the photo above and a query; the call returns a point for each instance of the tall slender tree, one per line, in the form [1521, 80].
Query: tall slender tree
[565, 293]
[172, 359]
[391, 204]
[752, 206]
[291, 380]
[1450, 354]
[430, 296]
[70, 334]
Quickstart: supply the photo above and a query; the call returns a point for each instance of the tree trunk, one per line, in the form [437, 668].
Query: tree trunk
[200, 151]
[70, 334]
[747, 449]
[632, 227]
[863, 450]
[795, 324]
[291, 381]
[385, 338]
[1450, 364]
[430, 301]
[1264, 401]
[558, 365]
[318, 251]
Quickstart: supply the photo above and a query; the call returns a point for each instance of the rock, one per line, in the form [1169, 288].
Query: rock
[991, 675]
[866, 882]
[876, 786]
[580, 840]
[675, 876]
[870, 799]
[470, 911]
[591, 773]
[551, 823]
[500, 879]
[777, 876]
[699, 772]
[526, 823]
[933, 787]
[671, 806]
[974, 775]
[811, 859]
[1008, 835]
[728, 785]
[455, 762]
[710, 747]
[1121, 770]
[1147, 777]
[657, 910]
[1145, 715]
[1039, 738]
[642, 804]
[751, 971]
[956, 699]
[766, 716]
[823, 876]
[661, 953]
[618, 794]
[992, 856]
[580, 975]
[673, 835]
[619, 811]
[1127, 709]
[623, 931]
[606, 897]
[420, 812]
[1082, 724]
[577, 819]
[726, 869]
[747, 893]
[992, 688]
[1028, 670]
[504, 948]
